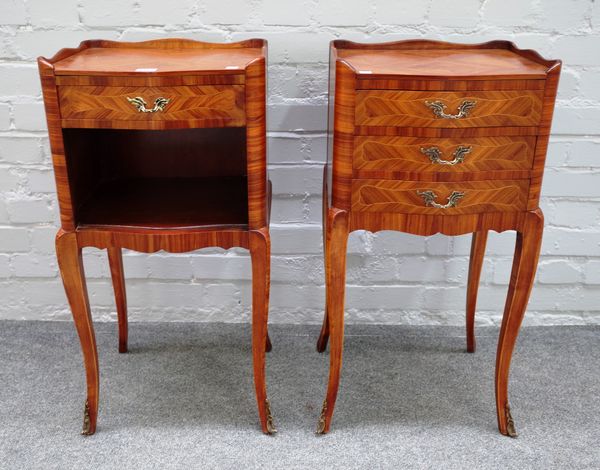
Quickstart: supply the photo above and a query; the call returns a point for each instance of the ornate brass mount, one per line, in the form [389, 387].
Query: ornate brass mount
[321, 422]
[86, 420]
[439, 109]
[140, 104]
[270, 426]
[511, 431]
[435, 155]
[429, 197]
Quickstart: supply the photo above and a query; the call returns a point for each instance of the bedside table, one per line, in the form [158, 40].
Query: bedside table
[430, 137]
[159, 145]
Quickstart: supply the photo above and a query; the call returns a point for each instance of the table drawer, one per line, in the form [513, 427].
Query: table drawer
[439, 198]
[385, 155]
[448, 109]
[152, 107]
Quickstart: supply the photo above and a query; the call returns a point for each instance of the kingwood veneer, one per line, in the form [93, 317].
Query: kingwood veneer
[430, 137]
[159, 145]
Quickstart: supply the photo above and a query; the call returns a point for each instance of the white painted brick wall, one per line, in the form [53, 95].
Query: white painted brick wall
[392, 277]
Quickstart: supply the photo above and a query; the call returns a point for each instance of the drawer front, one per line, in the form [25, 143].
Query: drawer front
[435, 155]
[448, 109]
[148, 107]
[439, 198]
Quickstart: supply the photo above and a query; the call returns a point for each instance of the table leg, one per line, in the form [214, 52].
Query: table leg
[71, 269]
[324, 335]
[115, 261]
[335, 253]
[478, 243]
[527, 250]
[260, 252]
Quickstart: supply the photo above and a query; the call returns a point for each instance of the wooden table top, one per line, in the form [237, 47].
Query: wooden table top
[138, 61]
[455, 63]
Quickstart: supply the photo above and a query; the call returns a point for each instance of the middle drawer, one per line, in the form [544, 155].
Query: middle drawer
[408, 157]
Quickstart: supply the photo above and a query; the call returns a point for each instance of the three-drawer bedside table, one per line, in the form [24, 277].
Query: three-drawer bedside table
[430, 137]
[159, 145]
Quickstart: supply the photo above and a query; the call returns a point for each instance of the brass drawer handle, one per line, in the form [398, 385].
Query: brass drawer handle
[438, 109]
[435, 155]
[140, 104]
[429, 197]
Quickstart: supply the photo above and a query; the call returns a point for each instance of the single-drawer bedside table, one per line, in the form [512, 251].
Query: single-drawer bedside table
[429, 137]
[159, 145]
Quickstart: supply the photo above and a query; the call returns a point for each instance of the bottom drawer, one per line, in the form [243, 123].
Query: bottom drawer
[439, 198]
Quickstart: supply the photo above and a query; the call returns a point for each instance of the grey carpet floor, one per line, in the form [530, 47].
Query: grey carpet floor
[410, 397]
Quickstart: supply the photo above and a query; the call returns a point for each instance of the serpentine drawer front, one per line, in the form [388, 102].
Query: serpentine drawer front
[159, 145]
[448, 109]
[148, 107]
[430, 137]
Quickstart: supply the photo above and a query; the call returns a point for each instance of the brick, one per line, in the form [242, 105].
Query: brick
[13, 239]
[275, 12]
[395, 13]
[574, 214]
[296, 180]
[558, 272]
[298, 270]
[569, 242]
[43, 239]
[20, 150]
[5, 266]
[306, 81]
[8, 180]
[4, 117]
[285, 148]
[46, 43]
[296, 239]
[41, 181]
[568, 84]
[591, 272]
[370, 269]
[29, 116]
[561, 15]
[53, 14]
[426, 269]
[26, 265]
[221, 267]
[344, 13]
[509, 13]
[161, 13]
[3, 212]
[585, 153]
[170, 267]
[464, 14]
[577, 50]
[136, 265]
[576, 121]
[457, 270]
[291, 210]
[30, 211]
[19, 80]
[388, 242]
[108, 13]
[558, 152]
[580, 183]
[14, 12]
[293, 47]
[297, 117]
[588, 84]
[212, 12]
[396, 298]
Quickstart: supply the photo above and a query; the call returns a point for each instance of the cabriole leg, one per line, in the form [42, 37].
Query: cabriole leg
[71, 269]
[527, 250]
[260, 252]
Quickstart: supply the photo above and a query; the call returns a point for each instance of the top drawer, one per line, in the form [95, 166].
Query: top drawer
[448, 109]
[152, 107]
